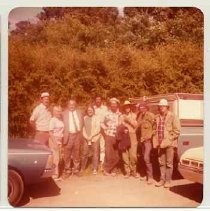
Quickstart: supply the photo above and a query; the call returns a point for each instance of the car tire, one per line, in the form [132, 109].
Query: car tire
[15, 187]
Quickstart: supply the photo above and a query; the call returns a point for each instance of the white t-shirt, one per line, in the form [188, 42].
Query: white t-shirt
[100, 112]
[57, 127]
[41, 115]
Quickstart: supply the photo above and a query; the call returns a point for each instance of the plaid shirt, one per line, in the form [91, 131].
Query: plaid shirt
[160, 128]
[111, 121]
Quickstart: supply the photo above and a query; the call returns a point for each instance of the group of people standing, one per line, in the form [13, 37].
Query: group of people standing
[110, 133]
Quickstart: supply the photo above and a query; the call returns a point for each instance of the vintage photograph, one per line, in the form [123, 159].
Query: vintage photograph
[105, 107]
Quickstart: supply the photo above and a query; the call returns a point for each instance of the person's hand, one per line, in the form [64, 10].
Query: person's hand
[142, 139]
[126, 119]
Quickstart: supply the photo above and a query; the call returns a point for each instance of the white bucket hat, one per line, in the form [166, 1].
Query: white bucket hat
[127, 102]
[163, 102]
[115, 100]
[45, 94]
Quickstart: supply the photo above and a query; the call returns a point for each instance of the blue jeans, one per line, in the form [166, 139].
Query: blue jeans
[166, 157]
[146, 150]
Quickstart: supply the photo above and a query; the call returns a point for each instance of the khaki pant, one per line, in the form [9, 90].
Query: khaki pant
[102, 148]
[56, 150]
[42, 137]
[130, 155]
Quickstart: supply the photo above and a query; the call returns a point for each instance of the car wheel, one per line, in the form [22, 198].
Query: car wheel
[15, 187]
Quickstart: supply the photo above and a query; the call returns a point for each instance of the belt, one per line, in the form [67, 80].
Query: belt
[74, 133]
[42, 131]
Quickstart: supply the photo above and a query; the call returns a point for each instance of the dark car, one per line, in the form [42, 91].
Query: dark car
[28, 163]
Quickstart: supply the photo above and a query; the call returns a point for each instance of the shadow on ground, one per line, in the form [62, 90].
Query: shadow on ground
[46, 188]
[192, 191]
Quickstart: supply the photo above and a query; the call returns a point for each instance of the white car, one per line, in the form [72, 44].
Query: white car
[191, 165]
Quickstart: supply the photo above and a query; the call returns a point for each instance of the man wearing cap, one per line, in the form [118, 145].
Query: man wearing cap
[100, 112]
[128, 119]
[72, 139]
[109, 125]
[40, 119]
[166, 139]
[146, 128]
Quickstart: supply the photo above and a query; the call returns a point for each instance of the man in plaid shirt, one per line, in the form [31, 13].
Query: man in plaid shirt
[166, 139]
[109, 125]
[160, 128]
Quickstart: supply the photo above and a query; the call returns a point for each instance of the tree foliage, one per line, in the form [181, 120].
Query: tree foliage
[83, 51]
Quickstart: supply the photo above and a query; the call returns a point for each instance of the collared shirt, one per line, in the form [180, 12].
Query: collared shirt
[57, 127]
[160, 128]
[101, 112]
[41, 116]
[111, 122]
[74, 125]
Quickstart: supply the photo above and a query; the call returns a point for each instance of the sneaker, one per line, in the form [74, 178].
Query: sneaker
[126, 176]
[66, 176]
[78, 174]
[150, 181]
[143, 178]
[135, 175]
[105, 173]
[160, 183]
[167, 184]
[95, 172]
[113, 174]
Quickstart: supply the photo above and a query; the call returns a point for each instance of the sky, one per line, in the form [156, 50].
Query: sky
[30, 13]
[22, 14]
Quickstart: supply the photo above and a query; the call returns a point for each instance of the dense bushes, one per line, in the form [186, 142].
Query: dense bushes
[75, 53]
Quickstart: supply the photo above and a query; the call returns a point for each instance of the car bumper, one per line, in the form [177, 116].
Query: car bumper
[191, 174]
[47, 173]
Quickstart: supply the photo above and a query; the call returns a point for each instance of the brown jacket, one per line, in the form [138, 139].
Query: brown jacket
[172, 130]
[129, 120]
[146, 125]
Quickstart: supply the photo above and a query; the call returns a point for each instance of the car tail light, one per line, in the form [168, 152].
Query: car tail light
[185, 143]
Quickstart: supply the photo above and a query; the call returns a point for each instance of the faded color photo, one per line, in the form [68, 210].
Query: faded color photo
[105, 107]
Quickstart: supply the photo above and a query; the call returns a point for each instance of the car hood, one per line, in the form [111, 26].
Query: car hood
[194, 154]
[21, 145]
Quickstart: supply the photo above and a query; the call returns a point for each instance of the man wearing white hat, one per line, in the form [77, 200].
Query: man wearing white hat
[40, 119]
[129, 155]
[109, 125]
[166, 139]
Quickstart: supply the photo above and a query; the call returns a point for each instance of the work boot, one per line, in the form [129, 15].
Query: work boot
[160, 183]
[167, 184]
[150, 181]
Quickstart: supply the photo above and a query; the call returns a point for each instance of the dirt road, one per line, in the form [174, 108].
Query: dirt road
[108, 191]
